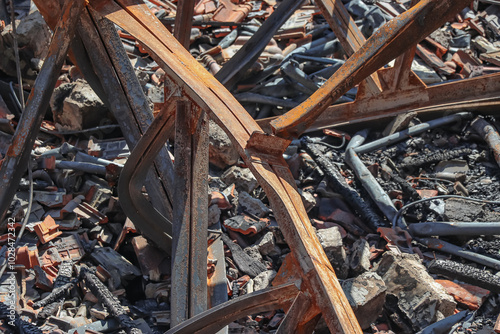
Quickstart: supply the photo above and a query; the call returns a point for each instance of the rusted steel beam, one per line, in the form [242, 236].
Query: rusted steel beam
[412, 96]
[51, 10]
[17, 157]
[131, 109]
[221, 315]
[190, 207]
[348, 34]
[183, 21]
[142, 115]
[117, 86]
[385, 44]
[132, 177]
[189, 248]
[261, 153]
[251, 50]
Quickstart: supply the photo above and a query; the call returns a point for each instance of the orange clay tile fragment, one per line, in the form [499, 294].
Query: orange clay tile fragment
[47, 230]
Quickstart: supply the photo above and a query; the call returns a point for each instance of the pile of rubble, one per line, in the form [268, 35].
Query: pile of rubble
[407, 212]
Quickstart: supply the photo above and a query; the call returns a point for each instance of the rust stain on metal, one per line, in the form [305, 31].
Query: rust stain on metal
[315, 281]
[263, 154]
[385, 44]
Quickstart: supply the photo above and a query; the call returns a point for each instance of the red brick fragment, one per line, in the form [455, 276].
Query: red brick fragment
[467, 295]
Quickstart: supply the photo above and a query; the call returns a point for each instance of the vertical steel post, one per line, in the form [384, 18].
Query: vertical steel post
[189, 244]
[402, 66]
[190, 209]
[183, 21]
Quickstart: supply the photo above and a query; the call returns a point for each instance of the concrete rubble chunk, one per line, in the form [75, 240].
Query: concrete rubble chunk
[253, 206]
[366, 295]
[331, 241]
[267, 245]
[460, 210]
[253, 252]
[221, 151]
[263, 280]
[75, 106]
[308, 200]
[241, 177]
[420, 299]
[33, 37]
[359, 260]
[213, 214]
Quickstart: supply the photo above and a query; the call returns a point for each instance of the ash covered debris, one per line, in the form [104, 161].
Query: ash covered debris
[405, 207]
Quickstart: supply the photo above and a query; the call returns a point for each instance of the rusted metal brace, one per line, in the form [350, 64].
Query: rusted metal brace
[190, 207]
[262, 153]
[137, 207]
[97, 47]
[385, 44]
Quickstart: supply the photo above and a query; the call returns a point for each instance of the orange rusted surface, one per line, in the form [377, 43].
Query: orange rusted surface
[263, 154]
[348, 33]
[385, 44]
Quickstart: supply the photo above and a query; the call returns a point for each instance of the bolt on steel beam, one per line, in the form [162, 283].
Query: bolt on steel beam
[18, 155]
